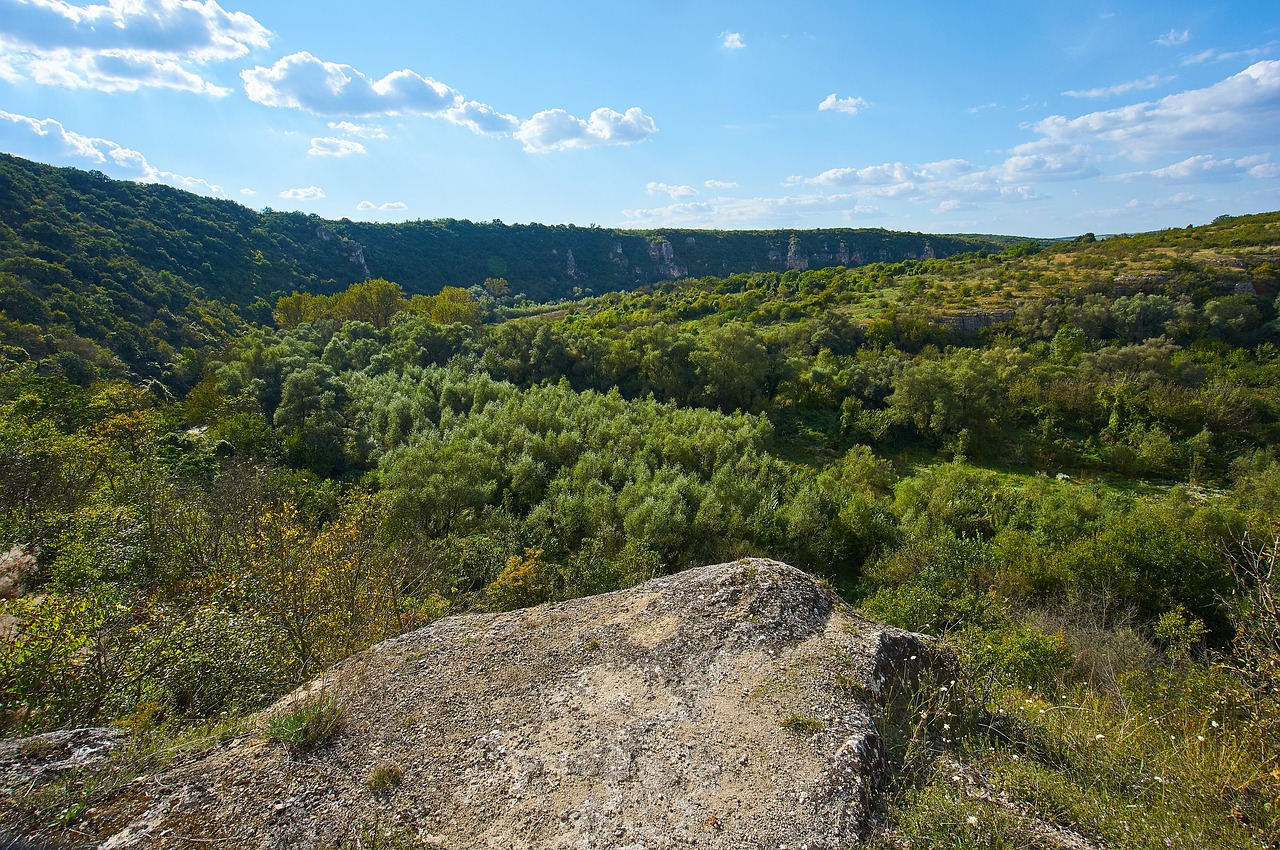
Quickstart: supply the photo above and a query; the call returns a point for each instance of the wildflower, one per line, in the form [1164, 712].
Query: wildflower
[972, 820]
[1099, 736]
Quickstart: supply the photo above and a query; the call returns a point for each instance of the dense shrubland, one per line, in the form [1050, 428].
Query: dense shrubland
[1062, 459]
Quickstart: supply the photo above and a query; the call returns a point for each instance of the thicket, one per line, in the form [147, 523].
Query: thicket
[1063, 460]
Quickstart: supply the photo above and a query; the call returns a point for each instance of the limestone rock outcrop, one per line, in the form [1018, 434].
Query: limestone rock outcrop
[731, 706]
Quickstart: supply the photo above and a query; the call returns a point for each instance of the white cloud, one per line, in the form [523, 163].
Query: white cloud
[1149, 82]
[889, 174]
[1241, 111]
[1238, 113]
[720, 184]
[675, 192]
[982, 107]
[847, 105]
[248, 192]
[946, 182]
[483, 119]
[123, 45]
[955, 205]
[1181, 199]
[732, 40]
[557, 130]
[1206, 168]
[55, 142]
[391, 206]
[301, 81]
[1173, 38]
[325, 146]
[117, 71]
[310, 193]
[361, 131]
[1039, 163]
[739, 212]
[1212, 55]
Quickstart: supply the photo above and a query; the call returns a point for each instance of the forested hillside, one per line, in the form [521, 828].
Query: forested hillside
[124, 278]
[1061, 458]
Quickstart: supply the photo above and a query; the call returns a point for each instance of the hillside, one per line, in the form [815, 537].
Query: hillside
[136, 279]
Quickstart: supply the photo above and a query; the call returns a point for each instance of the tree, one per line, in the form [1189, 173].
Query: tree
[734, 367]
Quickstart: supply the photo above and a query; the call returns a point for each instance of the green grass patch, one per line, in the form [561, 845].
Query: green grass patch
[308, 724]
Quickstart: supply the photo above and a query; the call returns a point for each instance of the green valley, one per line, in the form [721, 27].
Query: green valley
[240, 447]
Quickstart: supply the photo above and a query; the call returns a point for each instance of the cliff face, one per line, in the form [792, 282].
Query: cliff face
[730, 706]
[225, 250]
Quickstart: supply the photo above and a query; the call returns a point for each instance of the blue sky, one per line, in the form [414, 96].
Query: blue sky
[1011, 117]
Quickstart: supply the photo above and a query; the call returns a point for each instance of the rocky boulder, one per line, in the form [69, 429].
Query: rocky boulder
[732, 706]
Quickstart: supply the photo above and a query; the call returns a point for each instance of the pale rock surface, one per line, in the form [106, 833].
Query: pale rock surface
[731, 706]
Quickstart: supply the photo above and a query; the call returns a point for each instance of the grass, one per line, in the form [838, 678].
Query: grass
[1170, 759]
[384, 776]
[803, 725]
[307, 724]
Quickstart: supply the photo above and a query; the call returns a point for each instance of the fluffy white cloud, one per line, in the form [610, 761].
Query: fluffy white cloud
[1207, 168]
[1149, 82]
[1036, 162]
[947, 182]
[301, 81]
[847, 105]
[1241, 111]
[390, 206]
[360, 131]
[53, 142]
[1173, 38]
[889, 174]
[325, 146]
[675, 192]
[118, 71]
[309, 193]
[732, 40]
[719, 184]
[123, 45]
[200, 30]
[557, 130]
[483, 119]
